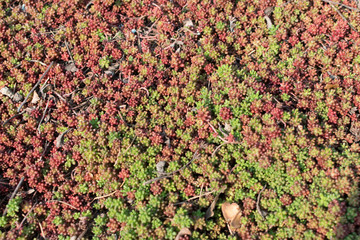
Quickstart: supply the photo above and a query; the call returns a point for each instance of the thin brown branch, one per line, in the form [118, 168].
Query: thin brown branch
[43, 116]
[16, 66]
[107, 195]
[258, 203]
[201, 188]
[37, 61]
[68, 49]
[22, 222]
[196, 156]
[42, 230]
[67, 204]
[59, 96]
[82, 234]
[157, 178]
[343, 5]
[82, 104]
[166, 175]
[42, 88]
[151, 27]
[122, 153]
[217, 148]
[69, 94]
[36, 85]
[138, 41]
[342, 16]
[88, 5]
[195, 197]
[147, 91]
[14, 193]
[16, 115]
[222, 139]
[231, 232]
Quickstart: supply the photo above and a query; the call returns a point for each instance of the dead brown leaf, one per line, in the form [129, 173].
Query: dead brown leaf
[30, 191]
[188, 23]
[268, 12]
[228, 127]
[355, 130]
[59, 142]
[183, 231]
[71, 67]
[112, 69]
[18, 97]
[210, 211]
[236, 222]
[353, 110]
[230, 211]
[35, 98]
[160, 168]
[269, 24]
[7, 92]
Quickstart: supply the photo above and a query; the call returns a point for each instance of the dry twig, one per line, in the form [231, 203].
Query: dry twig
[42, 88]
[44, 113]
[22, 222]
[343, 5]
[221, 138]
[342, 16]
[217, 148]
[37, 61]
[121, 153]
[166, 175]
[258, 203]
[68, 49]
[59, 96]
[147, 91]
[88, 5]
[82, 234]
[14, 193]
[82, 104]
[195, 197]
[67, 204]
[42, 230]
[213, 128]
[36, 85]
[16, 115]
[107, 195]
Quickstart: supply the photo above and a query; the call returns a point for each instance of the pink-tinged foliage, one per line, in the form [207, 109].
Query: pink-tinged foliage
[151, 107]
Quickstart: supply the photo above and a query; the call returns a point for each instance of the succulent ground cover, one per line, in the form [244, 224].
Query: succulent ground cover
[179, 119]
